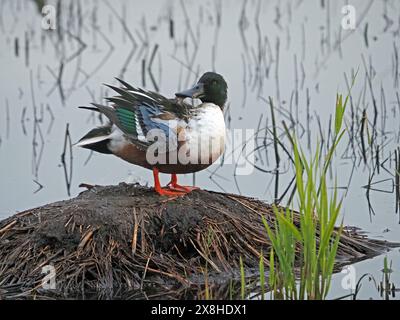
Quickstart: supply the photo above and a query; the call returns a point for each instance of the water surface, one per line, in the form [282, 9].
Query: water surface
[293, 51]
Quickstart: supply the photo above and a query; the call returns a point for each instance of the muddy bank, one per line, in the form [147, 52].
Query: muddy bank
[127, 241]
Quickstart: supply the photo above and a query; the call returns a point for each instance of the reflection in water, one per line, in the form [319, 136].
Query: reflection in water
[284, 62]
[67, 163]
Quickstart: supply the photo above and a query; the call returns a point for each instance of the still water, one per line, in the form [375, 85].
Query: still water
[296, 52]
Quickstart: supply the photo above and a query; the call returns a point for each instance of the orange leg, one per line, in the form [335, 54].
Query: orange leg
[163, 191]
[173, 185]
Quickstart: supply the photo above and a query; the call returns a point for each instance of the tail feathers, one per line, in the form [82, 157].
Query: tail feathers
[96, 140]
[86, 142]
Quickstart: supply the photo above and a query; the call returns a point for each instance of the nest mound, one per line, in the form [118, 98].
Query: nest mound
[128, 238]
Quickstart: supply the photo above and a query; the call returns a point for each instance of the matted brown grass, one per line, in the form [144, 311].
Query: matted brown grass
[126, 238]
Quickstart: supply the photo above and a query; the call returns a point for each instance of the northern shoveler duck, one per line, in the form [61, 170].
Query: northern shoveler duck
[193, 136]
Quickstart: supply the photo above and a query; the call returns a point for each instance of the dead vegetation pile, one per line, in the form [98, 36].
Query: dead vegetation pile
[126, 238]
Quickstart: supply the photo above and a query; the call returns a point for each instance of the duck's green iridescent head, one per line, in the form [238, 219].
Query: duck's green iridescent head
[211, 88]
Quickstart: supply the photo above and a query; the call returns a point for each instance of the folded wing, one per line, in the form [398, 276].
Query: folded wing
[137, 112]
